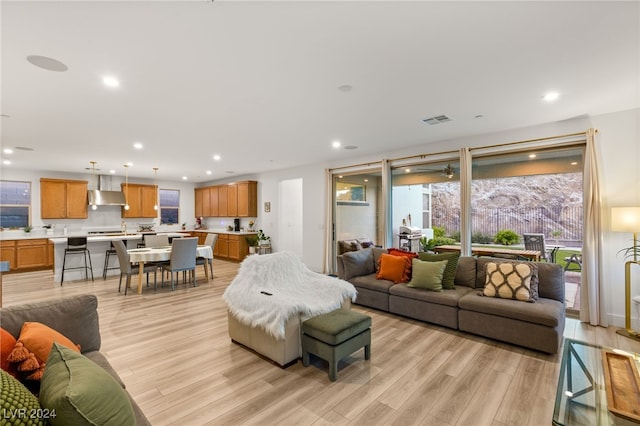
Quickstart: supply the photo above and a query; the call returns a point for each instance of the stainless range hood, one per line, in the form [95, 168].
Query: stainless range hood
[104, 197]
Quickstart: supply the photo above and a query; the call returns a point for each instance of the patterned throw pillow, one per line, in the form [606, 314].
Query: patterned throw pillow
[19, 406]
[511, 280]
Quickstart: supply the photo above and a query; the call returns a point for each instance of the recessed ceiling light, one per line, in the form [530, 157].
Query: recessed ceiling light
[7, 151]
[111, 81]
[129, 163]
[208, 172]
[345, 88]
[184, 178]
[6, 162]
[479, 116]
[112, 171]
[339, 176]
[335, 144]
[47, 63]
[551, 96]
[532, 156]
[574, 163]
[407, 170]
[137, 145]
[366, 180]
[217, 157]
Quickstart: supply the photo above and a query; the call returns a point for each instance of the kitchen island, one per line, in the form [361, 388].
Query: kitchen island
[98, 246]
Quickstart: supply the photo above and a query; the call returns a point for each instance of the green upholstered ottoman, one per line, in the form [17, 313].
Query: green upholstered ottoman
[335, 335]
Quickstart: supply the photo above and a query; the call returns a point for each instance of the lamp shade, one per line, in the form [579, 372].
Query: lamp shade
[625, 219]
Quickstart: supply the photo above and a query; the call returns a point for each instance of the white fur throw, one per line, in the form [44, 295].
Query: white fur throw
[294, 290]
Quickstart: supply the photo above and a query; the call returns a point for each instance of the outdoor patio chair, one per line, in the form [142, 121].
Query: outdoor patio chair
[536, 242]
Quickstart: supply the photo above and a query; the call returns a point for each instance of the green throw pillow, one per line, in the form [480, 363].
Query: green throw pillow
[19, 406]
[427, 275]
[450, 271]
[82, 392]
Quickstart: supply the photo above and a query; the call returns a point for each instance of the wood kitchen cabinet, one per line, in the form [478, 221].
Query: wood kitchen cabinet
[28, 254]
[248, 199]
[31, 253]
[8, 253]
[231, 200]
[231, 247]
[222, 246]
[63, 199]
[141, 200]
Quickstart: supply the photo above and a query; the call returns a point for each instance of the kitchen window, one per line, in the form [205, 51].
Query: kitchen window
[169, 206]
[15, 204]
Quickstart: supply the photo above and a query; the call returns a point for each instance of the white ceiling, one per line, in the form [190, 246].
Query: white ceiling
[257, 82]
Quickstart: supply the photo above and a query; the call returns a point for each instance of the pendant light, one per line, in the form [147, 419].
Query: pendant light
[126, 187]
[155, 182]
[93, 181]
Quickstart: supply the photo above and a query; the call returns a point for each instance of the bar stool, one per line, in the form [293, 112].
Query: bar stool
[107, 255]
[77, 245]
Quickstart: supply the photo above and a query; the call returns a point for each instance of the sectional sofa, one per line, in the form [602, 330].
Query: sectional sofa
[538, 325]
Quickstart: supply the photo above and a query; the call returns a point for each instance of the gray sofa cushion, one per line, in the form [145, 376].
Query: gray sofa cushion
[545, 312]
[75, 317]
[372, 283]
[466, 272]
[356, 263]
[449, 297]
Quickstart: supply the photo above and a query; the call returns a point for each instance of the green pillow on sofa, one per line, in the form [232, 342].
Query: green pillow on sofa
[450, 271]
[19, 406]
[427, 275]
[81, 392]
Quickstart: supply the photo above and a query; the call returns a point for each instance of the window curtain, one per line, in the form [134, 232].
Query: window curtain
[592, 292]
[386, 204]
[465, 201]
[329, 225]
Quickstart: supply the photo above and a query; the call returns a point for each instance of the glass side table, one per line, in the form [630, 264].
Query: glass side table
[581, 397]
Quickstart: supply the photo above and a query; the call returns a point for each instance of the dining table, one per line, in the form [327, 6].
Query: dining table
[160, 254]
[490, 251]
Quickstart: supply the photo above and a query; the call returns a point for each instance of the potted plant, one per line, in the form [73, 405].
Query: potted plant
[263, 239]
[251, 223]
[27, 229]
[252, 241]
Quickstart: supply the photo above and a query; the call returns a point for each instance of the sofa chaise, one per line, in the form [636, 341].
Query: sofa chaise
[538, 325]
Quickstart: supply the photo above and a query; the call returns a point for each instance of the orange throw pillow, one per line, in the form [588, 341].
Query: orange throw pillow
[408, 254]
[394, 268]
[33, 346]
[7, 342]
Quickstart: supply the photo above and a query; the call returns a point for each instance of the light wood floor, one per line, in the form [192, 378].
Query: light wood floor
[173, 352]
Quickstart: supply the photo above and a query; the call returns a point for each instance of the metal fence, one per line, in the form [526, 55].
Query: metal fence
[558, 223]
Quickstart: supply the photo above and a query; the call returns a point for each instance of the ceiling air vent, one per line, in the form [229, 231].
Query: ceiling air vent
[436, 119]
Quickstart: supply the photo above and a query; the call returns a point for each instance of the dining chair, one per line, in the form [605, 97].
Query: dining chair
[536, 242]
[183, 258]
[210, 241]
[124, 259]
[161, 240]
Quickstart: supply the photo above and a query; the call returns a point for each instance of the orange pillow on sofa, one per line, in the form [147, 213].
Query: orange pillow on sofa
[7, 342]
[394, 268]
[408, 254]
[38, 338]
